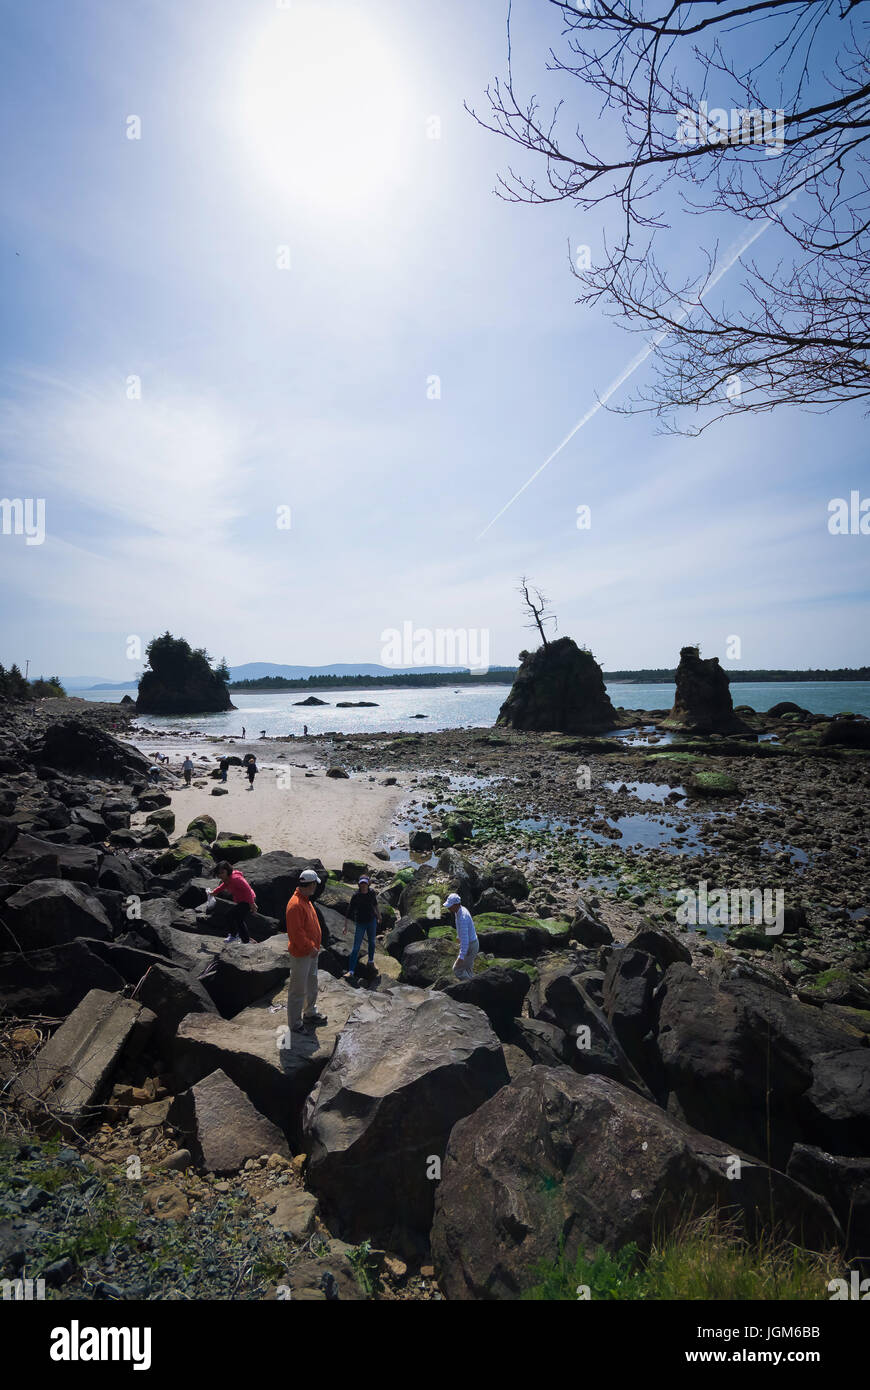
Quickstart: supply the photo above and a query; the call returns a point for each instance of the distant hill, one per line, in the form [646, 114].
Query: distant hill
[89, 683]
[256, 670]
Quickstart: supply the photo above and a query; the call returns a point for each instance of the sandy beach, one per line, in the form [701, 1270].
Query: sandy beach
[294, 808]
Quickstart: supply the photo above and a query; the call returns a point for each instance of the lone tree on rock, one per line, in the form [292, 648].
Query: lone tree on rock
[560, 686]
[538, 609]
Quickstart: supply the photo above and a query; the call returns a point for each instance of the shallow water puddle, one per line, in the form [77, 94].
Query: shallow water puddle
[645, 791]
[635, 832]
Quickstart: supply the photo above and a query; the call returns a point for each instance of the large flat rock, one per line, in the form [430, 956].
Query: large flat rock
[247, 1048]
[67, 1078]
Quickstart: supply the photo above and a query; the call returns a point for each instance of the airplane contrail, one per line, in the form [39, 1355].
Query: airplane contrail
[633, 366]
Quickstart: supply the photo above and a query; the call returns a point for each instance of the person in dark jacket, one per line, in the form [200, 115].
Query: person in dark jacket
[363, 911]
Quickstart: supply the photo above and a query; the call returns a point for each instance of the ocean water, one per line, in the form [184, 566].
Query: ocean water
[448, 707]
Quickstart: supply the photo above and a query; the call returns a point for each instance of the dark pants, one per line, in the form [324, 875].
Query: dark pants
[187, 777]
[363, 929]
[238, 920]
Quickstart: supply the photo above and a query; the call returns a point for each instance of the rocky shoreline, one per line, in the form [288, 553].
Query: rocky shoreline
[311, 1171]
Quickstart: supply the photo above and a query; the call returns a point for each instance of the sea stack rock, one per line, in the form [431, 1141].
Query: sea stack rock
[179, 680]
[559, 687]
[702, 703]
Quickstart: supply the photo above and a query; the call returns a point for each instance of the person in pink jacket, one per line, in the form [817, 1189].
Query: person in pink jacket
[243, 896]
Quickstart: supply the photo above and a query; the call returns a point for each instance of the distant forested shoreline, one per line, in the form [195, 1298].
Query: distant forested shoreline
[504, 675]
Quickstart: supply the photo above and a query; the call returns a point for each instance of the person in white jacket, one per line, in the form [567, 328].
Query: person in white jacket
[463, 966]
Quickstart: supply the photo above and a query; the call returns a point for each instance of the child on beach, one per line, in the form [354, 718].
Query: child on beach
[243, 896]
[251, 769]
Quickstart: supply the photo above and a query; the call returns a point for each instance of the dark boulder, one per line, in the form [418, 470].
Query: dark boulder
[587, 929]
[407, 1066]
[844, 1183]
[661, 945]
[738, 1060]
[424, 963]
[559, 1163]
[8, 834]
[836, 1107]
[243, 974]
[221, 1126]
[629, 981]
[846, 733]
[76, 746]
[543, 1043]
[491, 900]
[274, 878]
[499, 992]
[406, 931]
[172, 994]
[508, 879]
[50, 911]
[53, 981]
[30, 858]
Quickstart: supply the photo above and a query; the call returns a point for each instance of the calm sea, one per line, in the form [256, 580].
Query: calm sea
[446, 707]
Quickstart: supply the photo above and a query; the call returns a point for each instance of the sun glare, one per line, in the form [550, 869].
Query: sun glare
[323, 100]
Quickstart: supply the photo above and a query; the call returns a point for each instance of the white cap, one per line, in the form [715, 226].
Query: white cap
[452, 900]
[308, 876]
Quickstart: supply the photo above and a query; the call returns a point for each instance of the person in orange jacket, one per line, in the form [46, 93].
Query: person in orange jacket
[303, 934]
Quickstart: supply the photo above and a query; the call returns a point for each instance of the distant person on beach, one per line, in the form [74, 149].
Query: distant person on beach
[224, 765]
[463, 966]
[303, 938]
[243, 731]
[251, 769]
[304, 730]
[187, 769]
[243, 896]
[154, 773]
[262, 733]
[363, 911]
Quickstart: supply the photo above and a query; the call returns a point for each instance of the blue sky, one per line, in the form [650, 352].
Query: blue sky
[307, 128]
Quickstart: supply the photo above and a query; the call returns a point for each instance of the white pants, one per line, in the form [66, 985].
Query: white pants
[464, 969]
[302, 990]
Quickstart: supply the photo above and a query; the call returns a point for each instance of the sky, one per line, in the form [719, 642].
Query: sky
[275, 357]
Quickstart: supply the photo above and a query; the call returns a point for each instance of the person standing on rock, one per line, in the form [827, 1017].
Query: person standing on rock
[463, 966]
[187, 769]
[363, 911]
[243, 896]
[304, 938]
